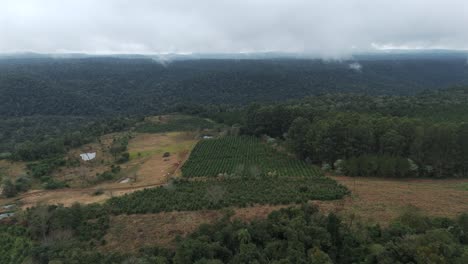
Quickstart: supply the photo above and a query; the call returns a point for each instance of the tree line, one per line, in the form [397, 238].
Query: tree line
[55, 234]
[366, 143]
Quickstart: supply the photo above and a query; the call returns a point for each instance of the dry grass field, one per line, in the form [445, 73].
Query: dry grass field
[12, 169]
[381, 200]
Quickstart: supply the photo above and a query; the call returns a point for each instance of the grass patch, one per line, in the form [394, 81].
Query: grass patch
[462, 186]
[172, 148]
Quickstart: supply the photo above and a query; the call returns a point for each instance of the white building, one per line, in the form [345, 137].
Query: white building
[88, 156]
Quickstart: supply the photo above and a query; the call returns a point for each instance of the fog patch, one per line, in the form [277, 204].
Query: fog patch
[162, 60]
[355, 66]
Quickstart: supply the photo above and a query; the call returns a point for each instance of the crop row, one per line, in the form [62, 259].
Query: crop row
[243, 156]
[215, 194]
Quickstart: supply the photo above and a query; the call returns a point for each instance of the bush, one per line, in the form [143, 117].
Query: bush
[44, 167]
[9, 189]
[52, 184]
[123, 158]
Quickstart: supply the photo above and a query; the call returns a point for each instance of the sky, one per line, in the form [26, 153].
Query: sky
[325, 28]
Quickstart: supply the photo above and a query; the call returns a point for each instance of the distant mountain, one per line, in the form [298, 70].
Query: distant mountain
[378, 55]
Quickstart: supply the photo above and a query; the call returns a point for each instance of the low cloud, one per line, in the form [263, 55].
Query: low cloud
[355, 66]
[328, 29]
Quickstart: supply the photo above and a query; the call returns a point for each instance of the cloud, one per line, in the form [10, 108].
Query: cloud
[355, 66]
[330, 29]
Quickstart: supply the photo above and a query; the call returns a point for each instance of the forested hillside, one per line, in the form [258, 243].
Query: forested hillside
[365, 135]
[116, 86]
[373, 136]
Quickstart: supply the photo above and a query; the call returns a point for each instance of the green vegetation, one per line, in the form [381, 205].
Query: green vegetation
[15, 244]
[367, 165]
[243, 156]
[113, 86]
[175, 123]
[11, 189]
[37, 138]
[49, 107]
[45, 166]
[400, 146]
[303, 235]
[291, 235]
[252, 173]
[463, 187]
[52, 184]
[119, 148]
[215, 194]
[108, 175]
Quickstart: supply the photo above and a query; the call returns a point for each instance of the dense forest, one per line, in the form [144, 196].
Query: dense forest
[367, 143]
[56, 103]
[122, 86]
[360, 135]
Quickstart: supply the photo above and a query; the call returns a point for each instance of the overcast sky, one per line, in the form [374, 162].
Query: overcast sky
[328, 28]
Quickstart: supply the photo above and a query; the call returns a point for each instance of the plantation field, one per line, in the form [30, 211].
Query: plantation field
[243, 156]
[186, 195]
[170, 123]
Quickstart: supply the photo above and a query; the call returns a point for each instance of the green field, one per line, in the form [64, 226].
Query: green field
[243, 156]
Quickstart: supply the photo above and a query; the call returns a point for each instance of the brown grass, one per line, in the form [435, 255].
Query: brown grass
[131, 232]
[381, 200]
[12, 169]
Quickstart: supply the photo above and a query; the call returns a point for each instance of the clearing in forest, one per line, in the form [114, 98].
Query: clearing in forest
[250, 172]
[146, 168]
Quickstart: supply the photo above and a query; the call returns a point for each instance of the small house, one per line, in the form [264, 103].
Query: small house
[88, 156]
